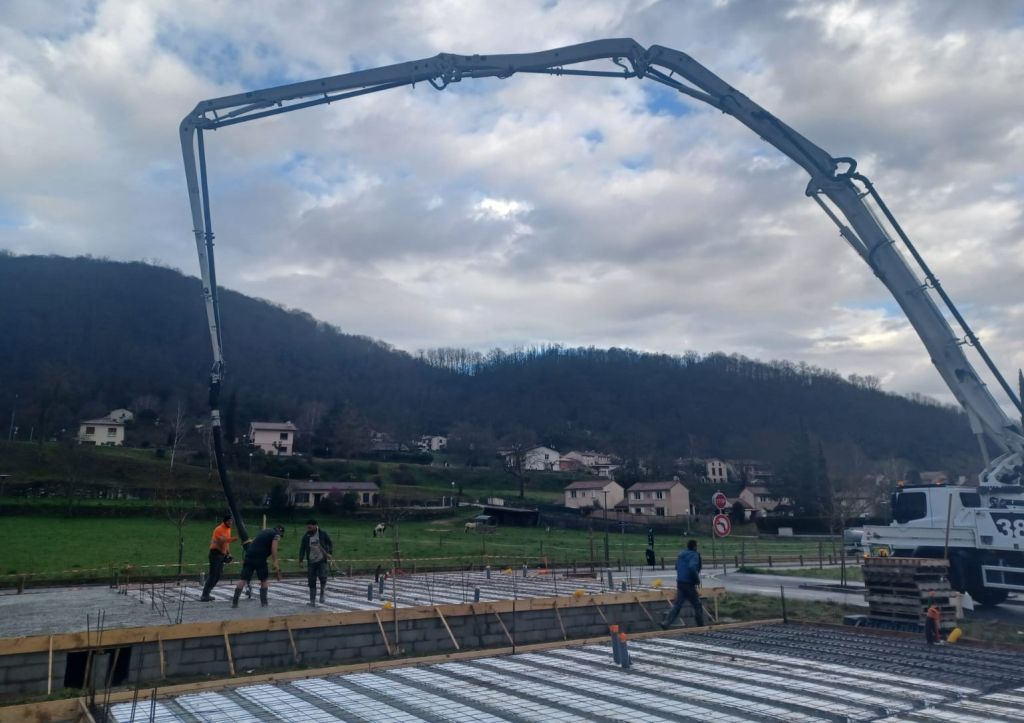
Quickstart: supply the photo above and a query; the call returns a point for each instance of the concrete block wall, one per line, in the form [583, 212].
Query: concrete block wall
[24, 675]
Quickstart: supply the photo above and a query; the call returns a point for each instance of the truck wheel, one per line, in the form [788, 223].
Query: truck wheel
[988, 597]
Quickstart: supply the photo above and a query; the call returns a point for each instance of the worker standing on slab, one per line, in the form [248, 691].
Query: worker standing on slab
[688, 566]
[932, 623]
[263, 546]
[220, 553]
[317, 548]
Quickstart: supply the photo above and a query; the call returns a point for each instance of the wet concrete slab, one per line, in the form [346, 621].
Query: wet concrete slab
[46, 611]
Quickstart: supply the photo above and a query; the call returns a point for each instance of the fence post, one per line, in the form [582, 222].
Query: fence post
[769, 561]
[821, 553]
[801, 559]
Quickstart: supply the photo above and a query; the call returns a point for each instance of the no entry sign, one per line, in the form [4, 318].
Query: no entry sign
[722, 525]
[720, 500]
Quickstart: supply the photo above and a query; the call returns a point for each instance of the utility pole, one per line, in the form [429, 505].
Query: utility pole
[14, 406]
[607, 556]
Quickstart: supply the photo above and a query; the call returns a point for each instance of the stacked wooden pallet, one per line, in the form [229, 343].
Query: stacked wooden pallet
[900, 589]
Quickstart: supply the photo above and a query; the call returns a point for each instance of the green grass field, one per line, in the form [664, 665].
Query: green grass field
[70, 548]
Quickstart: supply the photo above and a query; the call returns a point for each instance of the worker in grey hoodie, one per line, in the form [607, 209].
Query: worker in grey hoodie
[317, 548]
[688, 566]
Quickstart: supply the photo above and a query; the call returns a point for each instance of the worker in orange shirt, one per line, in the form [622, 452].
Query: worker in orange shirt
[220, 553]
[932, 623]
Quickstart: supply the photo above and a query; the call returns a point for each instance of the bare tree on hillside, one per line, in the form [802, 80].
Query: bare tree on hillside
[178, 505]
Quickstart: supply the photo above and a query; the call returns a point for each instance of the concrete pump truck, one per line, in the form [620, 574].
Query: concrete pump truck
[980, 528]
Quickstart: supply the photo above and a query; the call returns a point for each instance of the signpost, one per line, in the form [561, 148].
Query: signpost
[722, 525]
[720, 501]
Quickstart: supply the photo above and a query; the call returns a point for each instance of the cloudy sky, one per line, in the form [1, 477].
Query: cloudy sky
[537, 209]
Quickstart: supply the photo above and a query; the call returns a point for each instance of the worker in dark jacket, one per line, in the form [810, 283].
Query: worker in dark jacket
[263, 546]
[688, 566]
[317, 548]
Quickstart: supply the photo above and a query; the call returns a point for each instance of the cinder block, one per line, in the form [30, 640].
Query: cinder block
[27, 673]
[196, 657]
[373, 652]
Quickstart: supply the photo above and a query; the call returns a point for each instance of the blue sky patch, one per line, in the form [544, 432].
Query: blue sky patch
[662, 100]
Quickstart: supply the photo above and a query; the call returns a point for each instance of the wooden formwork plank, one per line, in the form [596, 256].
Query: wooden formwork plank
[231, 659]
[295, 648]
[163, 660]
[446, 627]
[380, 625]
[646, 612]
[561, 625]
[86, 714]
[49, 670]
[507, 633]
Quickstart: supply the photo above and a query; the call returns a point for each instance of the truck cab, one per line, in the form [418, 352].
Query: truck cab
[982, 536]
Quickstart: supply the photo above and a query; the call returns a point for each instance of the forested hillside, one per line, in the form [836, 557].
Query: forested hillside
[83, 336]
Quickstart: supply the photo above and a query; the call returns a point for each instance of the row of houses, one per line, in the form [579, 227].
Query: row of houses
[668, 498]
[548, 459]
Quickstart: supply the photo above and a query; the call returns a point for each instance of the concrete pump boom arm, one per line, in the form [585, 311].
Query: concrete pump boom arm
[835, 185]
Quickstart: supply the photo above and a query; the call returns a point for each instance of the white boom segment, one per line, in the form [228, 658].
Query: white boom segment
[834, 183]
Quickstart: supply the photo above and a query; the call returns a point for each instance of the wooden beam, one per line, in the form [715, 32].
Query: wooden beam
[163, 660]
[507, 634]
[644, 608]
[231, 658]
[86, 715]
[560, 624]
[66, 708]
[49, 670]
[446, 627]
[291, 639]
[380, 624]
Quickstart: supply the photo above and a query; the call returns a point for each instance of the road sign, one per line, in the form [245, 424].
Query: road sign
[720, 500]
[722, 525]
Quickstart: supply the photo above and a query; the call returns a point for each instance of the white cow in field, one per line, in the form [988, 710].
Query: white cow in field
[471, 526]
[379, 529]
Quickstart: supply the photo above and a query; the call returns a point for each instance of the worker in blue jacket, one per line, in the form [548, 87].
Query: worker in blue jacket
[688, 566]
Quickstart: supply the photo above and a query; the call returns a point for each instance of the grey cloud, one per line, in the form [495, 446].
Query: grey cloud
[362, 212]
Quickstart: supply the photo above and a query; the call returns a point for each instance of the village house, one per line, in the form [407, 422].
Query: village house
[717, 471]
[310, 493]
[659, 499]
[432, 442]
[538, 459]
[599, 463]
[274, 438]
[593, 493]
[752, 470]
[103, 432]
[760, 500]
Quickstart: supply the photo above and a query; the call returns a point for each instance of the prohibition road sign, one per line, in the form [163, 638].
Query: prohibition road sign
[722, 525]
[720, 500]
